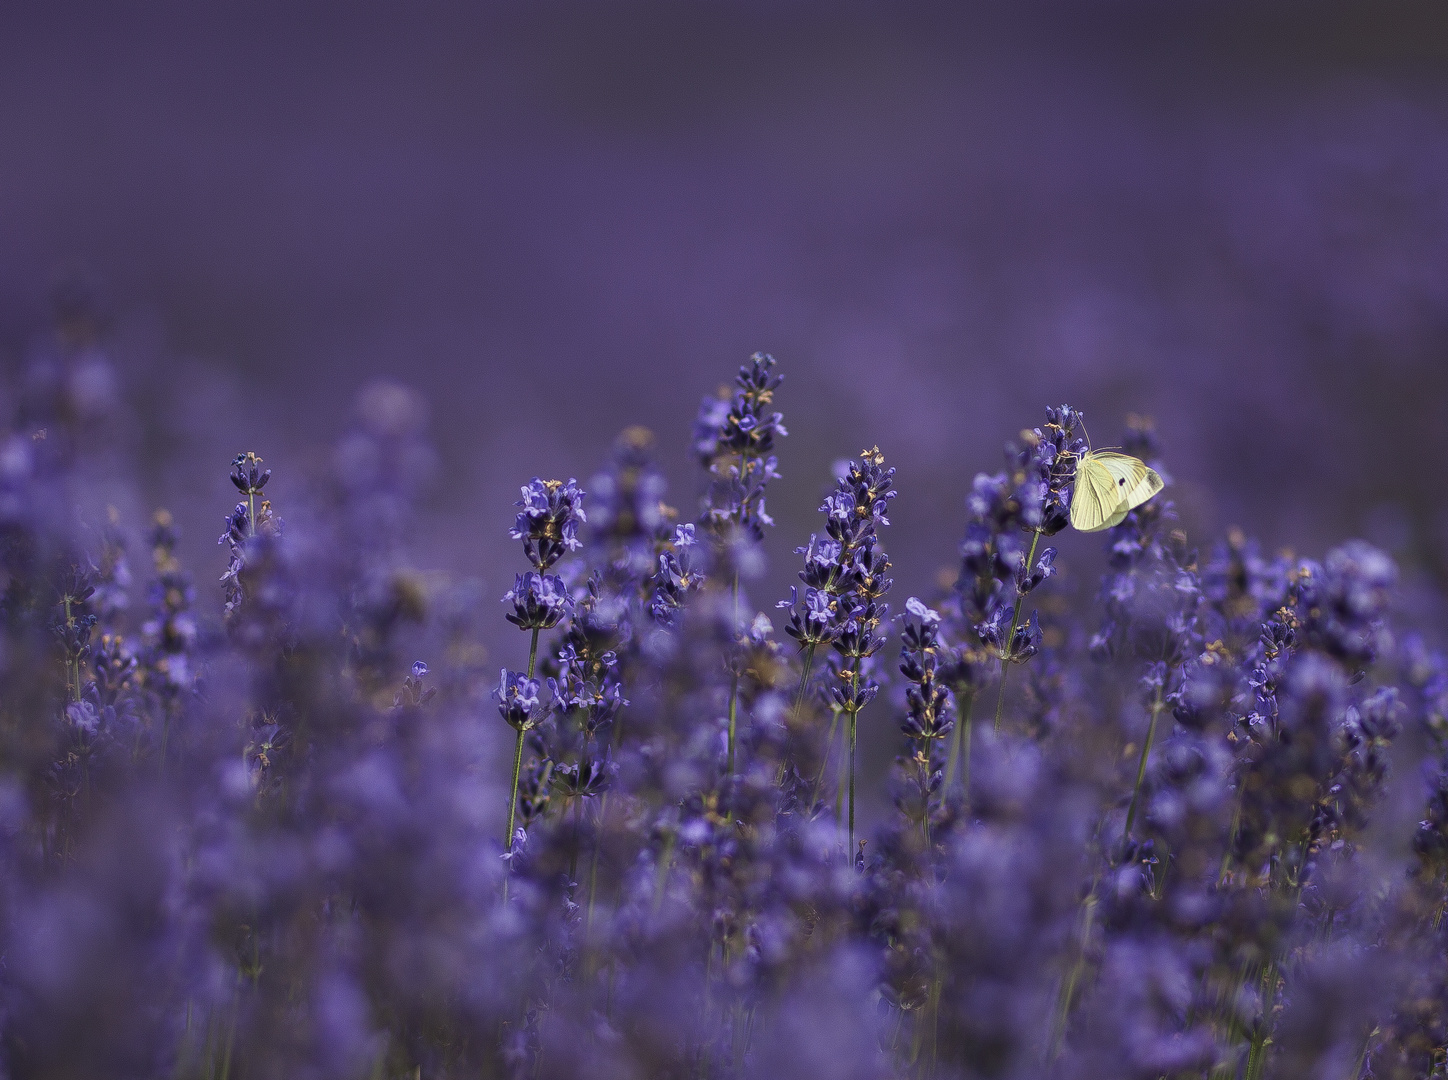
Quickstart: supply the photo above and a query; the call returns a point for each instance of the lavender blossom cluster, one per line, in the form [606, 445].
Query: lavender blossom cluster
[1198, 829]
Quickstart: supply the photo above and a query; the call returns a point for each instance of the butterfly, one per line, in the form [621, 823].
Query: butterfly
[1108, 486]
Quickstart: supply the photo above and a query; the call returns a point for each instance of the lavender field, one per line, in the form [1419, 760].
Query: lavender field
[573, 691]
[1197, 829]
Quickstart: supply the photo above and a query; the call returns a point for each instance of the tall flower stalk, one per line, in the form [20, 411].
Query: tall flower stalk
[997, 571]
[845, 582]
[734, 439]
[547, 524]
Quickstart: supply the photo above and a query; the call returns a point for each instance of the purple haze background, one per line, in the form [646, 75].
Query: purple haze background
[558, 219]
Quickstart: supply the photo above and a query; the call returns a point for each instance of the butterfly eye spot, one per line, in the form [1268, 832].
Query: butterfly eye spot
[1121, 483]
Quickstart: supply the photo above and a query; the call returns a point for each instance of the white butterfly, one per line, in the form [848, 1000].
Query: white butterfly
[1108, 486]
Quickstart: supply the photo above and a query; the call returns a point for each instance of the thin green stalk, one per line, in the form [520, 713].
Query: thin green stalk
[854, 715]
[1001, 693]
[1272, 980]
[661, 878]
[925, 1041]
[738, 1037]
[593, 870]
[925, 817]
[825, 761]
[230, 1036]
[1227, 1071]
[513, 800]
[577, 839]
[517, 770]
[809, 652]
[1362, 1057]
[703, 1050]
[533, 652]
[960, 748]
[805, 664]
[72, 665]
[1262, 1038]
[734, 621]
[1156, 707]
[1011, 637]
[1226, 868]
[733, 717]
[734, 682]
[895, 1035]
[1078, 967]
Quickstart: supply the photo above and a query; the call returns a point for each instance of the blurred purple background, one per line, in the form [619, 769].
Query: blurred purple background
[558, 219]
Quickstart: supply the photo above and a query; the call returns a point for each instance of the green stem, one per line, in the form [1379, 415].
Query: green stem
[1262, 1038]
[533, 652]
[825, 762]
[1363, 1056]
[72, 663]
[809, 651]
[960, 748]
[513, 800]
[895, 1035]
[577, 840]
[1223, 1011]
[741, 1025]
[1156, 707]
[734, 618]
[230, 1036]
[517, 770]
[925, 809]
[1011, 637]
[734, 682]
[1068, 986]
[703, 1049]
[593, 869]
[733, 716]
[933, 1012]
[661, 878]
[854, 715]
[1226, 868]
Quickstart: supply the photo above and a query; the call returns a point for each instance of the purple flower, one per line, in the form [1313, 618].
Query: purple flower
[548, 522]
[517, 697]
[734, 440]
[248, 475]
[811, 620]
[539, 601]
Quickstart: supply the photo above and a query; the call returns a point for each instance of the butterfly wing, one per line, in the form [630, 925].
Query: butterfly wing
[1097, 498]
[1117, 518]
[1133, 478]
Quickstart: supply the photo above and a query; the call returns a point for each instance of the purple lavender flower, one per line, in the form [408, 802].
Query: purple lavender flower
[734, 440]
[548, 522]
[413, 695]
[247, 474]
[845, 583]
[517, 697]
[679, 575]
[539, 601]
[998, 569]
